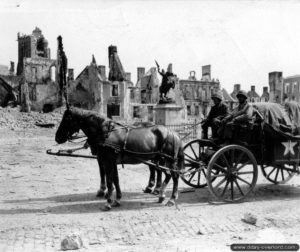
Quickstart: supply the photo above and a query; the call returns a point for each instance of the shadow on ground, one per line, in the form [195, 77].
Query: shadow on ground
[89, 203]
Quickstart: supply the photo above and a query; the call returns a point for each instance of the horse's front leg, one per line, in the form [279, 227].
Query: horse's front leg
[151, 182]
[109, 172]
[101, 191]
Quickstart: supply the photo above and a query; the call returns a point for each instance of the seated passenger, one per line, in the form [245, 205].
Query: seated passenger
[241, 115]
[215, 116]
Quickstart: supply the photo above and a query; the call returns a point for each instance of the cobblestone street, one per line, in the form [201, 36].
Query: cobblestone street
[44, 198]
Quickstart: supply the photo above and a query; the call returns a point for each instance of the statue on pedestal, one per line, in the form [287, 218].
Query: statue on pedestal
[168, 82]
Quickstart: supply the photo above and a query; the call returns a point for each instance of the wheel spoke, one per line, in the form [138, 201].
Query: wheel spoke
[231, 185]
[192, 175]
[232, 157]
[243, 165]
[225, 188]
[218, 175]
[199, 173]
[220, 167]
[276, 175]
[204, 173]
[239, 159]
[243, 180]
[282, 175]
[220, 183]
[226, 161]
[190, 157]
[189, 165]
[271, 172]
[238, 186]
[248, 172]
[193, 151]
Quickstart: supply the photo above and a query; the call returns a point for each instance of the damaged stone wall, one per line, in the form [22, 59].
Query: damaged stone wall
[87, 90]
[39, 87]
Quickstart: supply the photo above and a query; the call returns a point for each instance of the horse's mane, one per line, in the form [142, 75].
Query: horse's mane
[84, 113]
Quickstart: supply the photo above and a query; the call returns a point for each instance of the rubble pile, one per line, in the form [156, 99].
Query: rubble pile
[12, 118]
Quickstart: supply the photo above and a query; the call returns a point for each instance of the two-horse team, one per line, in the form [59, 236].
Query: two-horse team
[114, 144]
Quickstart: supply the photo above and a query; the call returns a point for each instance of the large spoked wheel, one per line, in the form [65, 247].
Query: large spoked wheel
[232, 173]
[196, 155]
[278, 174]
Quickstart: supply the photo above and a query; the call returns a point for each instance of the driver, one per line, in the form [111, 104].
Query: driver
[216, 114]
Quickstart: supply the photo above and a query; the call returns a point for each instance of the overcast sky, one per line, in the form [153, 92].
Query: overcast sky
[242, 40]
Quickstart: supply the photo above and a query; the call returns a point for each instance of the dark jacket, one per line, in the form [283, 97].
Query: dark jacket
[217, 112]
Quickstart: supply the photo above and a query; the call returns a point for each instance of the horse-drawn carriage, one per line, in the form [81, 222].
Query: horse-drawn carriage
[230, 170]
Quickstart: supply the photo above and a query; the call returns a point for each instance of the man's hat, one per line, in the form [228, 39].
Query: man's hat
[217, 95]
[242, 93]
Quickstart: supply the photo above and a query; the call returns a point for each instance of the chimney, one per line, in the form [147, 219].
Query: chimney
[140, 73]
[253, 88]
[237, 87]
[102, 71]
[265, 89]
[128, 76]
[12, 67]
[111, 50]
[70, 74]
[206, 71]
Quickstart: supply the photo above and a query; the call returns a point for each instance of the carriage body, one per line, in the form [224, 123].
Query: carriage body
[230, 170]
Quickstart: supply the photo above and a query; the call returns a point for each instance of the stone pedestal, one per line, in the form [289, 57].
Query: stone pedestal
[169, 113]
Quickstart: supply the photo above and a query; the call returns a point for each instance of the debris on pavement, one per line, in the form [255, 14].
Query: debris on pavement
[71, 242]
[249, 218]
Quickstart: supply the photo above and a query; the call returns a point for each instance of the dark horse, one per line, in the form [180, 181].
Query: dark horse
[115, 144]
[154, 172]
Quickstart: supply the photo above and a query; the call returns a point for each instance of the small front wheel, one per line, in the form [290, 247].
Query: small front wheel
[232, 173]
[196, 156]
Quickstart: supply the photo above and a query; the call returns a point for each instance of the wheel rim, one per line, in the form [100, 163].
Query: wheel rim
[193, 159]
[278, 174]
[232, 173]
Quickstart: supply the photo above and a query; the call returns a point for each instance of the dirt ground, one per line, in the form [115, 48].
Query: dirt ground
[43, 198]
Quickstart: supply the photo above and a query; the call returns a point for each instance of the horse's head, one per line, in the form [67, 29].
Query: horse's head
[69, 124]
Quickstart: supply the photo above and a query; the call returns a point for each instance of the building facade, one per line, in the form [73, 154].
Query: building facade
[38, 85]
[276, 84]
[197, 93]
[291, 88]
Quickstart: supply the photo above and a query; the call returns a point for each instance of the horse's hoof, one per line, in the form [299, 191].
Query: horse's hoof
[155, 192]
[147, 190]
[170, 203]
[107, 207]
[100, 194]
[161, 199]
[116, 203]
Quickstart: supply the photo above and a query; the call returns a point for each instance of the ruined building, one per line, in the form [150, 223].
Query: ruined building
[38, 87]
[252, 95]
[144, 95]
[276, 83]
[9, 85]
[93, 90]
[291, 88]
[87, 90]
[197, 93]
